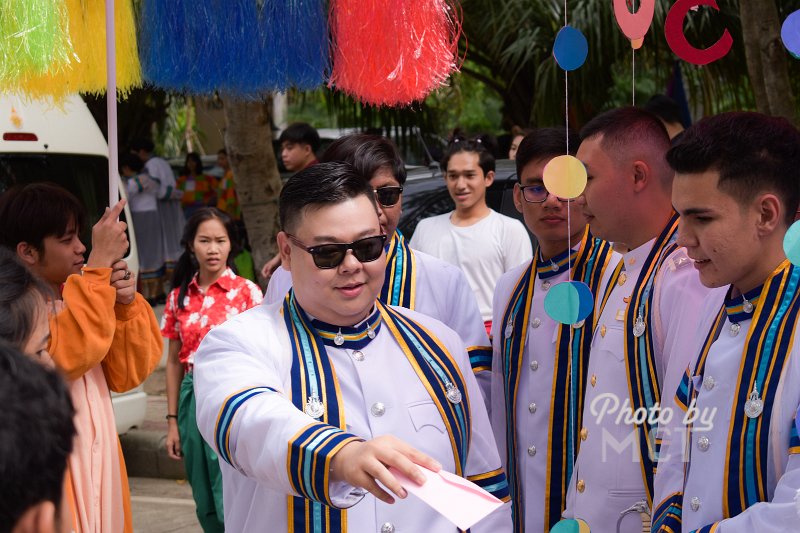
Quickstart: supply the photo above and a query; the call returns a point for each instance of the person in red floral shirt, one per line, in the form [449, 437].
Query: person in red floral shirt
[207, 292]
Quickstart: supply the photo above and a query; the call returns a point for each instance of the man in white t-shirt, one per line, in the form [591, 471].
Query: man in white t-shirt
[482, 242]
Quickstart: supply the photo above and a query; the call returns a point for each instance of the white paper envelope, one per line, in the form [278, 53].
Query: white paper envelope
[461, 501]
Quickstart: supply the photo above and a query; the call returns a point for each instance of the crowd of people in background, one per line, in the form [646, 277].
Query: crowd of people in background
[374, 357]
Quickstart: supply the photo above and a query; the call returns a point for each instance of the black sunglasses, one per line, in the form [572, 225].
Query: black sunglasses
[537, 194]
[388, 196]
[331, 255]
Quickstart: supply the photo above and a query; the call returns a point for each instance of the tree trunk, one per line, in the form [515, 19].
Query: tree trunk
[766, 58]
[248, 138]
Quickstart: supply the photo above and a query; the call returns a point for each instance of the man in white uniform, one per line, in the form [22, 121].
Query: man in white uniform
[414, 280]
[638, 345]
[480, 241]
[311, 400]
[536, 391]
[737, 469]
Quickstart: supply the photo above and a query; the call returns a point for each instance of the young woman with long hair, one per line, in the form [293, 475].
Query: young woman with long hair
[206, 292]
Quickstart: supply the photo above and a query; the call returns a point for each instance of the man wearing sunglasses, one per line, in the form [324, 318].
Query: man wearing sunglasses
[414, 280]
[309, 401]
[535, 406]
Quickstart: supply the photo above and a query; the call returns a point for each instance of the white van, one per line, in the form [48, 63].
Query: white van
[42, 141]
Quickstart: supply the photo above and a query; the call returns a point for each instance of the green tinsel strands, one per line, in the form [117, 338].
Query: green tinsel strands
[34, 38]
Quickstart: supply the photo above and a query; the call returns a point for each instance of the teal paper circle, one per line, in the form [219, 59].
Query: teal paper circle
[569, 302]
[791, 243]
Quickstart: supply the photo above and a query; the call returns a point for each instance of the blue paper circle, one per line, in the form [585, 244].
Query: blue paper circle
[791, 243]
[570, 48]
[790, 33]
[569, 302]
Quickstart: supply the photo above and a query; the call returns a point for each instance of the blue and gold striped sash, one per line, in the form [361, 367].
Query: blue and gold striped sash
[399, 285]
[643, 385]
[313, 375]
[569, 377]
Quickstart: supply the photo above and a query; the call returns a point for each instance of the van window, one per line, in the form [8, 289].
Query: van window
[85, 176]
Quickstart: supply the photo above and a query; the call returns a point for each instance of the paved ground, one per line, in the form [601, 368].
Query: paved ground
[162, 506]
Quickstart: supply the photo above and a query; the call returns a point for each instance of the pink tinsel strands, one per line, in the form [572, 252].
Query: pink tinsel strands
[393, 53]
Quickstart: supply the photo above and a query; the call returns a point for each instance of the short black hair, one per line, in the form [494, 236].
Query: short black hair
[665, 108]
[21, 298]
[367, 154]
[29, 213]
[36, 432]
[143, 144]
[751, 151]
[132, 161]
[544, 143]
[319, 185]
[301, 132]
[194, 156]
[624, 126]
[485, 157]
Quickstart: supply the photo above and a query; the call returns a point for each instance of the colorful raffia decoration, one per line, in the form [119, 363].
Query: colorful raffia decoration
[86, 72]
[241, 47]
[393, 53]
[34, 38]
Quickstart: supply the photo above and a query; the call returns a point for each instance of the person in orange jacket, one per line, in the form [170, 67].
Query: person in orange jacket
[103, 335]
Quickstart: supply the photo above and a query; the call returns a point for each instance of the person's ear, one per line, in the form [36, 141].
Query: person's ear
[39, 518]
[642, 175]
[489, 178]
[28, 254]
[285, 250]
[518, 197]
[770, 215]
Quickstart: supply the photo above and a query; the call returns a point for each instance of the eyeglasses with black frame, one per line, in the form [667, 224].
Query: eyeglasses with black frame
[389, 195]
[538, 194]
[331, 255]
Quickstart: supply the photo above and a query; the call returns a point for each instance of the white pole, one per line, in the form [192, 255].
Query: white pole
[111, 105]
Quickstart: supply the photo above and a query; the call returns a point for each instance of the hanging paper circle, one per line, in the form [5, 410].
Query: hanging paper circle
[790, 34]
[570, 48]
[791, 244]
[569, 302]
[570, 525]
[637, 43]
[564, 176]
[634, 25]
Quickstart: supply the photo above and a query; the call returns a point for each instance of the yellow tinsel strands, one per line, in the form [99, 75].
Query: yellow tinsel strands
[34, 38]
[87, 70]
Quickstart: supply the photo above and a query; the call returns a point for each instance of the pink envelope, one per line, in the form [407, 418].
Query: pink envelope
[461, 501]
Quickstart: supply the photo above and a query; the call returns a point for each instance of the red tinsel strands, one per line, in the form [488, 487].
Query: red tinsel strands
[393, 53]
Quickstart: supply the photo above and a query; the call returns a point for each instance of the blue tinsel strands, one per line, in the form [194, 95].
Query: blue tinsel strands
[240, 47]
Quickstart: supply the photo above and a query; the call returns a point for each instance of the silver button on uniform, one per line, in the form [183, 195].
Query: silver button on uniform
[388, 527]
[708, 382]
[695, 503]
[531, 450]
[534, 365]
[703, 443]
[377, 409]
[536, 323]
[532, 408]
[358, 355]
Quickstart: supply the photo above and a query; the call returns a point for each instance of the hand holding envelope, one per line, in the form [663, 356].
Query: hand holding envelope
[461, 501]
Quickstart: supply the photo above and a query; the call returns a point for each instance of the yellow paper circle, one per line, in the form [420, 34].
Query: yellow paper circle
[637, 43]
[564, 176]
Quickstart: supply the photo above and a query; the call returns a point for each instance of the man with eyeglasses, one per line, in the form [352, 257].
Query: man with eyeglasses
[311, 400]
[483, 243]
[537, 384]
[414, 280]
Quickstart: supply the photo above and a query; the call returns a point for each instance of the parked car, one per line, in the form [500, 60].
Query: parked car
[42, 141]
[425, 195]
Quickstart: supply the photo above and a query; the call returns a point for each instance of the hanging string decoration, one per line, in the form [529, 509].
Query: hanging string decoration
[393, 53]
[241, 47]
[34, 39]
[86, 71]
